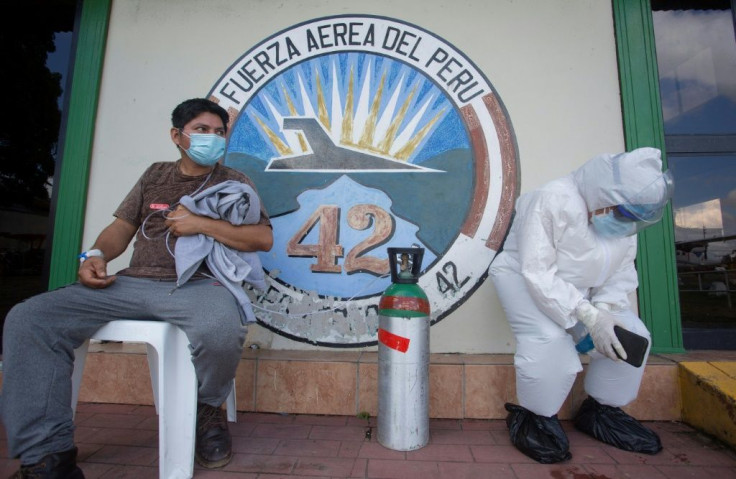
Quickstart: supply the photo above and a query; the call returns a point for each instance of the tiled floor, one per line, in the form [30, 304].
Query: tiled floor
[119, 441]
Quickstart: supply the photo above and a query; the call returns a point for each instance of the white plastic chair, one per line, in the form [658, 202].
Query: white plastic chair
[174, 385]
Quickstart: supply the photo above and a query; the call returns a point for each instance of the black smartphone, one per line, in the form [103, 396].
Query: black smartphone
[634, 345]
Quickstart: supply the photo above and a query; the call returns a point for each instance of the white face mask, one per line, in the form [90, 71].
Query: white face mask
[205, 149]
[608, 226]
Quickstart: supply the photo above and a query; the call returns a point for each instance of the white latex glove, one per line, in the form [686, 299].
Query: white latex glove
[611, 308]
[599, 324]
[603, 306]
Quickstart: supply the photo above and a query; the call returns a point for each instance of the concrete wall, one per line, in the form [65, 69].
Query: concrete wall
[552, 63]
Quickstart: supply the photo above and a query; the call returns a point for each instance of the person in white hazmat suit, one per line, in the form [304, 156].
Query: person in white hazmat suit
[569, 258]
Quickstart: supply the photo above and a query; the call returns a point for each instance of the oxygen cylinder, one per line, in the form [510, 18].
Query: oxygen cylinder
[403, 355]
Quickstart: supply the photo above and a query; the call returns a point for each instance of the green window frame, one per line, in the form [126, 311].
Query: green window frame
[659, 304]
[77, 148]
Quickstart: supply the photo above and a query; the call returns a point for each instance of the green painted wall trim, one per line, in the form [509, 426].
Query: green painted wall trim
[77, 150]
[659, 304]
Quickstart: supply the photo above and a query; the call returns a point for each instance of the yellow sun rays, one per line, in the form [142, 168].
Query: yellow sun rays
[367, 141]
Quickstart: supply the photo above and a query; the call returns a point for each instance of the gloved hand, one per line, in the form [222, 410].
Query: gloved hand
[599, 324]
[611, 308]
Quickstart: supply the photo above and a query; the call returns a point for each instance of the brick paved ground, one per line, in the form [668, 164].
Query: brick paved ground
[119, 441]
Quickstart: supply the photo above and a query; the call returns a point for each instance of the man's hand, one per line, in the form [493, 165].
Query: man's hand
[182, 222]
[256, 237]
[112, 241]
[599, 324]
[93, 273]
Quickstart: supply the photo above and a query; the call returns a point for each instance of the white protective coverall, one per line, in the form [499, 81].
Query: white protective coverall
[553, 261]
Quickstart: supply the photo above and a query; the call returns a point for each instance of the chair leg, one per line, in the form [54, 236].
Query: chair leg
[178, 407]
[80, 356]
[153, 367]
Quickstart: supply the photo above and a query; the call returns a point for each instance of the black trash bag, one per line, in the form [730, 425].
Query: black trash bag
[613, 426]
[539, 437]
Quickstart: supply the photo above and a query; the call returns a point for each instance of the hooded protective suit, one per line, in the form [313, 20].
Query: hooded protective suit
[554, 265]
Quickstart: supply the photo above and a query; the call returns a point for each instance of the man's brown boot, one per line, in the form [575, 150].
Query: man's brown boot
[214, 446]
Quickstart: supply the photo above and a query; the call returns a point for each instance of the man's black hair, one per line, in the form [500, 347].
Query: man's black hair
[188, 110]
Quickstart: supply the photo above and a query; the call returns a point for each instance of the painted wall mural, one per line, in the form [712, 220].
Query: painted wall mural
[363, 133]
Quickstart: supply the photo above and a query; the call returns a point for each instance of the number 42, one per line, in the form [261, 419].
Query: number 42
[360, 217]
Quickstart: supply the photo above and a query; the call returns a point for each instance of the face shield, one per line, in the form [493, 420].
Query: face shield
[638, 211]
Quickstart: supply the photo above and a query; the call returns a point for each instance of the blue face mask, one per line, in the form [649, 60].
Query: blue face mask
[608, 226]
[205, 149]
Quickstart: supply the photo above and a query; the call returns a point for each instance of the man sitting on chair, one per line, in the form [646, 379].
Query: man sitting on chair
[41, 333]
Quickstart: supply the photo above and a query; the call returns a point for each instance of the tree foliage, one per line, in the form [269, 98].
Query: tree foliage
[29, 114]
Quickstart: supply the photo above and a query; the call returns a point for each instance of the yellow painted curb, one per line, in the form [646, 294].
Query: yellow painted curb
[709, 398]
[728, 367]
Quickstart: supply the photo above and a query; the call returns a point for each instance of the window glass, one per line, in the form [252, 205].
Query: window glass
[696, 57]
[36, 59]
[704, 210]
[696, 54]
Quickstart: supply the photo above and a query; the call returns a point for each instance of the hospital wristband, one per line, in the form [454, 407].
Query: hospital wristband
[85, 255]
